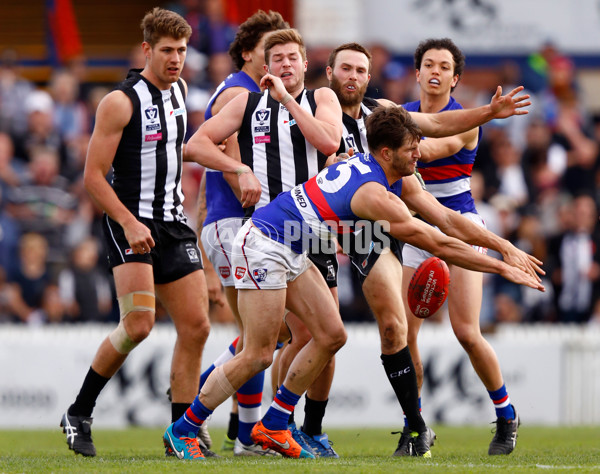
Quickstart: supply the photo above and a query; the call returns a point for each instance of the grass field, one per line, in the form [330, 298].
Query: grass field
[458, 449]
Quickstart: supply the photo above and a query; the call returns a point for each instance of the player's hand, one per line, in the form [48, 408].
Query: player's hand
[139, 237]
[504, 106]
[213, 285]
[275, 86]
[344, 156]
[516, 275]
[522, 260]
[249, 189]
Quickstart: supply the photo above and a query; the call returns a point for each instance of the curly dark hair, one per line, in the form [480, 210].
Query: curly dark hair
[251, 31]
[441, 43]
[158, 23]
[390, 127]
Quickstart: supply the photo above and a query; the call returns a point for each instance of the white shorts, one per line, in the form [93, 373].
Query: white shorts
[413, 256]
[217, 240]
[261, 263]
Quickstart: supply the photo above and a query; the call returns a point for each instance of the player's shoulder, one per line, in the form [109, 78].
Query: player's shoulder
[226, 96]
[117, 106]
[325, 94]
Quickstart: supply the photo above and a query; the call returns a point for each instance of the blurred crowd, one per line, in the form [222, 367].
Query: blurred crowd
[535, 182]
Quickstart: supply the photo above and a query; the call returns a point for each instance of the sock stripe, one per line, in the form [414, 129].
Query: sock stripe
[249, 415]
[194, 422]
[235, 343]
[249, 399]
[502, 401]
[281, 406]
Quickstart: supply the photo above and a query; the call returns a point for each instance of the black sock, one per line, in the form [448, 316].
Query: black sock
[400, 371]
[177, 410]
[232, 428]
[314, 411]
[86, 400]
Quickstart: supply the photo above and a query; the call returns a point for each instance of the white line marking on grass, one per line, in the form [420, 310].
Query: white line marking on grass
[518, 466]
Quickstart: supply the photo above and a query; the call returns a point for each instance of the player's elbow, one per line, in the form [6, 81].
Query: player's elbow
[330, 147]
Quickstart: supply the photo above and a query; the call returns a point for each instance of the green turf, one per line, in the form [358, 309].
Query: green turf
[458, 449]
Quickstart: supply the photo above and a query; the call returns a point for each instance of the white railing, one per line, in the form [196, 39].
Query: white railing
[552, 374]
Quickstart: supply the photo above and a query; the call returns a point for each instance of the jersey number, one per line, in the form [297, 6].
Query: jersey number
[332, 179]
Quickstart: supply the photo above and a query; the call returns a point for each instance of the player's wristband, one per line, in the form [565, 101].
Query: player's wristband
[242, 169]
[286, 99]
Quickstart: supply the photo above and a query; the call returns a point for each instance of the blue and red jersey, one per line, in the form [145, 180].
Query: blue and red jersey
[320, 206]
[449, 179]
[221, 202]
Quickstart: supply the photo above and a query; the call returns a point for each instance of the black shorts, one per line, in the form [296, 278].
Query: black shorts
[327, 264]
[363, 255]
[174, 256]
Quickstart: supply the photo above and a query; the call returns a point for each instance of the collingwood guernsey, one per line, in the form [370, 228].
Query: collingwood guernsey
[147, 177]
[272, 144]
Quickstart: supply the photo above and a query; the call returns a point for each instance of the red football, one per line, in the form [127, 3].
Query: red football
[428, 287]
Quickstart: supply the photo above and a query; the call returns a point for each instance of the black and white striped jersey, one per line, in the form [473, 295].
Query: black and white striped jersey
[272, 144]
[354, 134]
[148, 162]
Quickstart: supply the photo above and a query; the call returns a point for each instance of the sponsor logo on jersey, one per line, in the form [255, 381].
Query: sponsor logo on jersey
[178, 112]
[262, 116]
[263, 139]
[261, 121]
[193, 254]
[128, 251]
[240, 272]
[330, 273]
[151, 113]
[259, 274]
[291, 123]
[350, 142]
[225, 272]
[151, 127]
[154, 137]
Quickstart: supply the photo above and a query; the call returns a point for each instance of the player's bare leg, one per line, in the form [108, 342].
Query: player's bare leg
[382, 290]
[188, 307]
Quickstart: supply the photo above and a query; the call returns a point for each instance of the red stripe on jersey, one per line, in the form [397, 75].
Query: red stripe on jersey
[235, 342]
[190, 414]
[444, 172]
[318, 199]
[500, 401]
[283, 405]
[249, 399]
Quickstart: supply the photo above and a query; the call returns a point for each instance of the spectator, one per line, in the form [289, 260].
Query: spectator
[510, 177]
[41, 130]
[14, 89]
[11, 171]
[70, 114]
[85, 289]
[42, 203]
[574, 262]
[582, 151]
[9, 238]
[32, 294]
[544, 160]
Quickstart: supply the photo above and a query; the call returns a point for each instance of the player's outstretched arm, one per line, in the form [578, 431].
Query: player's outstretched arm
[451, 122]
[456, 225]
[373, 202]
